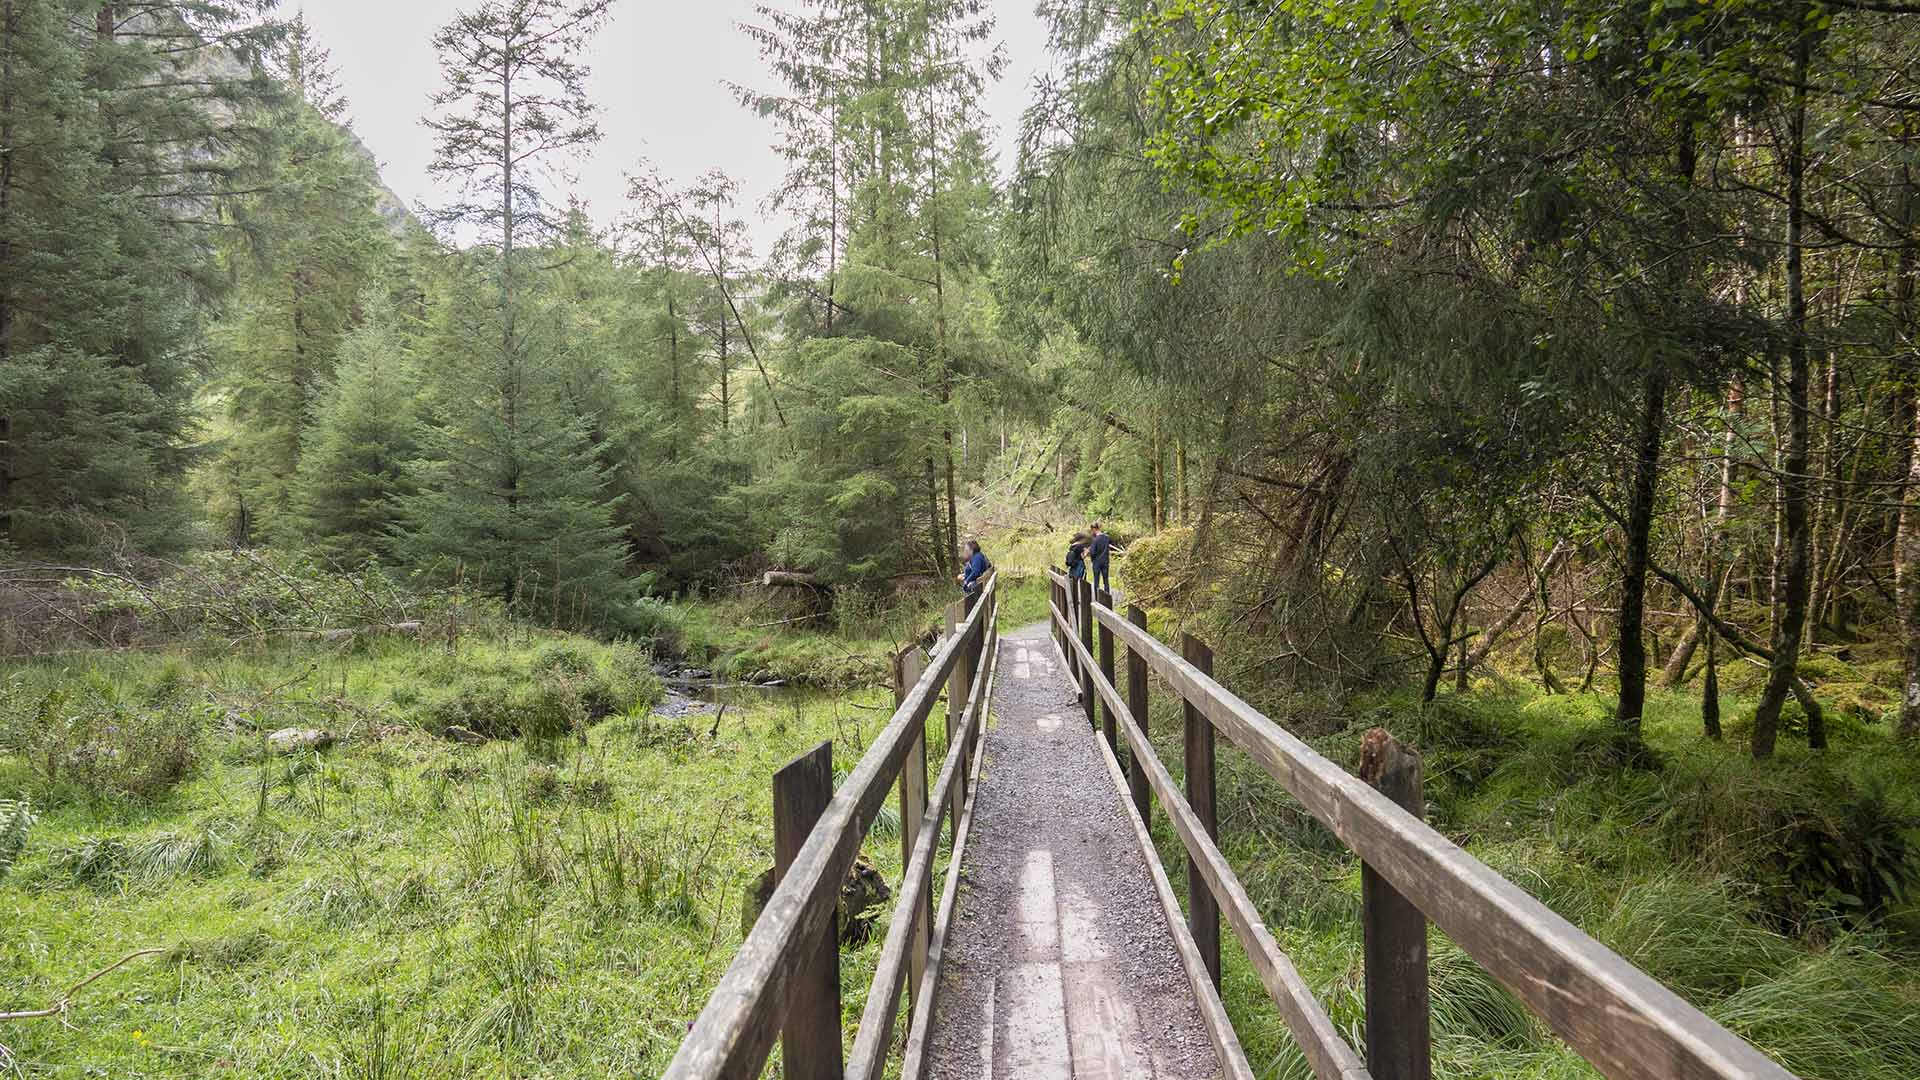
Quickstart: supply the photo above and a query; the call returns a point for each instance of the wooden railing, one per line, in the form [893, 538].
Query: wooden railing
[785, 981]
[1620, 1019]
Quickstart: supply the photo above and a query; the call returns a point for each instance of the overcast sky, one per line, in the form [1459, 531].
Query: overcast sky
[660, 72]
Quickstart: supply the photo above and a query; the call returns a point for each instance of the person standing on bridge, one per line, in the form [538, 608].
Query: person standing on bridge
[1100, 550]
[972, 578]
[1077, 557]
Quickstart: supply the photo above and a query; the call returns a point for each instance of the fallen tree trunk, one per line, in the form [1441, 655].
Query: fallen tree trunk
[1561, 549]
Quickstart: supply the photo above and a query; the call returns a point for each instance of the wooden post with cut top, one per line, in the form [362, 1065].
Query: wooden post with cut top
[1108, 725]
[1399, 1033]
[908, 666]
[1086, 642]
[959, 687]
[1137, 705]
[810, 1039]
[1203, 909]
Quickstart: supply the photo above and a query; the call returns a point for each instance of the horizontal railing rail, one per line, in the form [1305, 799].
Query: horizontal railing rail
[779, 977]
[1623, 1021]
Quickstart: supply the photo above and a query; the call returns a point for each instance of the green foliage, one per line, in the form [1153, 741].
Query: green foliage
[511, 496]
[432, 911]
[85, 740]
[16, 820]
[355, 456]
[102, 279]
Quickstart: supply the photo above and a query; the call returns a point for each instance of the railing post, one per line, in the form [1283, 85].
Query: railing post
[908, 666]
[1107, 723]
[1399, 1036]
[1086, 642]
[810, 1043]
[959, 686]
[1137, 705]
[1203, 909]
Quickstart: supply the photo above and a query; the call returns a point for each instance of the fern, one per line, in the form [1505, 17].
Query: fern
[15, 819]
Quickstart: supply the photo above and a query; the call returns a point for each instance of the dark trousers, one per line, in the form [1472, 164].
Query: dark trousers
[1100, 578]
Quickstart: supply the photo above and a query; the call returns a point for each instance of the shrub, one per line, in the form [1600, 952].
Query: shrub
[16, 818]
[81, 734]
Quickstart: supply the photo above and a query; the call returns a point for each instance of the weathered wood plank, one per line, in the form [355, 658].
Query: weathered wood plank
[913, 1056]
[1203, 911]
[1086, 641]
[1399, 1032]
[913, 810]
[959, 688]
[1107, 727]
[735, 1031]
[1617, 1017]
[810, 1037]
[1226, 1042]
[1327, 1053]
[1137, 707]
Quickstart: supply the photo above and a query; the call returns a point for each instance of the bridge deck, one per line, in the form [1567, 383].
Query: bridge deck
[1060, 962]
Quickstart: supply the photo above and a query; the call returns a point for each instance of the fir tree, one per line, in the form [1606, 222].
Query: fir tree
[356, 455]
[313, 237]
[512, 491]
[118, 146]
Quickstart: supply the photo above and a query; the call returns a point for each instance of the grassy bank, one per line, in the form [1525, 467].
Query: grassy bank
[1776, 896]
[557, 901]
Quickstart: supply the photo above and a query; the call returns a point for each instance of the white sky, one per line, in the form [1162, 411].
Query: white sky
[660, 73]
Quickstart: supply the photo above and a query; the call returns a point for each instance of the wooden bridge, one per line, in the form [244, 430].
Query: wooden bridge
[1034, 974]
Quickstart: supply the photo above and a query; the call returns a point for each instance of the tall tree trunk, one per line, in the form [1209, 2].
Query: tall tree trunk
[1796, 552]
[1639, 527]
[1907, 544]
[1710, 690]
[9, 32]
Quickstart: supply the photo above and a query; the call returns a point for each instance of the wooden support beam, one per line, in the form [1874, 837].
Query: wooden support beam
[1399, 1035]
[1137, 708]
[1107, 726]
[959, 686]
[1203, 910]
[907, 668]
[1085, 589]
[810, 1044]
[1616, 1016]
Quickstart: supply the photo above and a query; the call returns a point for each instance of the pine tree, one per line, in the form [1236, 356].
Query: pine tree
[313, 238]
[118, 146]
[356, 455]
[512, 492]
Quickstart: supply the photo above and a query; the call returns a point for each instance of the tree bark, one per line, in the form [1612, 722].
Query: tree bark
[1907, 537]
[1639, 528]
[1796, 545]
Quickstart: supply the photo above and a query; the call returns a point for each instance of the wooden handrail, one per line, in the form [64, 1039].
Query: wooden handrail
[735, 1031]
[1328, 1053]
[1617, 1017]
[869, 1058]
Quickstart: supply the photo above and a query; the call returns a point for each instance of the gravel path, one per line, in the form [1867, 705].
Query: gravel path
[1059, 963]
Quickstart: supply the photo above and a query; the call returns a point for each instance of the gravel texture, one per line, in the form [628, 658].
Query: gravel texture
[1059, 962]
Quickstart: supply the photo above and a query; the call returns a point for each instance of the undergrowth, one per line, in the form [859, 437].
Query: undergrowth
[1779, 897]
[397, 905]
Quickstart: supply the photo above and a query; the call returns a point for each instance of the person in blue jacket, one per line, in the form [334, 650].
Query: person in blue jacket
[1077, 557]
[1099, 550]
[977, 566]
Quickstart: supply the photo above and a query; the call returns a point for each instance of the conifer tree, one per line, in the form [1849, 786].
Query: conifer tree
[122, 133]
[512, 492]
[357, 452]
[310, 240]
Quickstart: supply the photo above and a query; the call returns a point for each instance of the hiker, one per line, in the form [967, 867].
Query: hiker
[1099, 549]
[1077, 557]
[977, 566]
